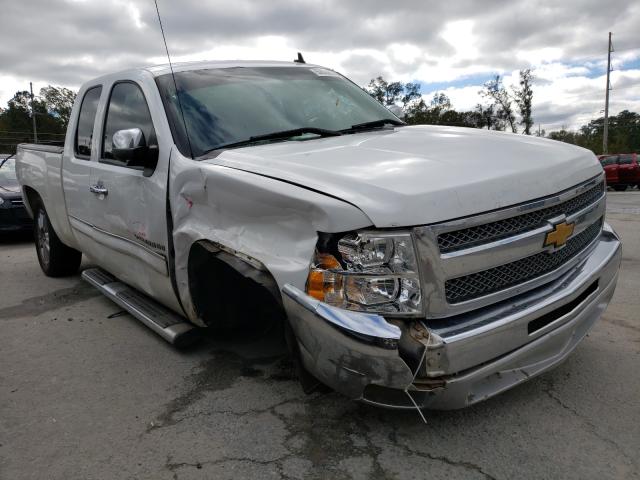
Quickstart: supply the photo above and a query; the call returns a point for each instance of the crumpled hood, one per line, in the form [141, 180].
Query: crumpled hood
[422, 174]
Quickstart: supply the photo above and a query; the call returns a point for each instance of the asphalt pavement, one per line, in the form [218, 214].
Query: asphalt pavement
[89, 393]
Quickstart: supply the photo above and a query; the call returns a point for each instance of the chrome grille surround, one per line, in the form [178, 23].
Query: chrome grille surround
[468, 237]
[439, 268]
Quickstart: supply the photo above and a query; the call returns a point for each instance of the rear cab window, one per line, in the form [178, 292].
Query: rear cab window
[86, 119]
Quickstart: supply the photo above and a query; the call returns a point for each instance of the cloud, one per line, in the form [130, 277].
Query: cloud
[443, 45]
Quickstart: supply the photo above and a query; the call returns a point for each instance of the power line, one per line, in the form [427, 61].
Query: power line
[29, 132]
[42, 142]
[19, 135]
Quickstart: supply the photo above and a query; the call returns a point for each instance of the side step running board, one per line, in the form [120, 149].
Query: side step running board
[170, 326]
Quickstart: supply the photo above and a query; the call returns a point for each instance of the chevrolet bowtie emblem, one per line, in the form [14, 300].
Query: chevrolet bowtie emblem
[559, 235]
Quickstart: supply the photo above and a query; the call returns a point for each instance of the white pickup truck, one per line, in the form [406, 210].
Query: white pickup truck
[411, 266]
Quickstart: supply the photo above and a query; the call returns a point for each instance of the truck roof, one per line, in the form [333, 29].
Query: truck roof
[157, 70]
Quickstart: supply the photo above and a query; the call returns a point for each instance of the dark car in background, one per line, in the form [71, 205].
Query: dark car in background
[13, 214]
[622, 170]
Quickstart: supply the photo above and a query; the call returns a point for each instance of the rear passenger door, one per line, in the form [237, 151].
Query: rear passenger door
[78, 161]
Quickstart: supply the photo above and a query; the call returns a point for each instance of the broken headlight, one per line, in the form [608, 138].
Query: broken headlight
[371, 272]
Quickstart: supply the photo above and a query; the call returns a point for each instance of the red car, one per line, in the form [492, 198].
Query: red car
[622, 170]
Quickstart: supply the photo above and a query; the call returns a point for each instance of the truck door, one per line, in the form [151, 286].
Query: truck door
[77, 164]
[130, 208]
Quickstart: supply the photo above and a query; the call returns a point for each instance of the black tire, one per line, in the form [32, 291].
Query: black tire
[619, 188]
[55, 258]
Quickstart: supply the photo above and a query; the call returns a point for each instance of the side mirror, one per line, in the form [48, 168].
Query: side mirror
[397, 111]
[130, 146]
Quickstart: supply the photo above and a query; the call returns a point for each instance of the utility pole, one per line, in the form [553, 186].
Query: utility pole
[33, 116]
[605, 133]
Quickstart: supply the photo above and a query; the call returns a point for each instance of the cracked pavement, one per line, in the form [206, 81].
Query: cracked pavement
[85, 396]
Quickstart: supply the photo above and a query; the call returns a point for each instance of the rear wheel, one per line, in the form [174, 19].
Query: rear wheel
[619, 188]
[55, 258]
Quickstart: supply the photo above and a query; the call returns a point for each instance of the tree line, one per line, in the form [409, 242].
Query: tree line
[623, 136]
[498, 112]
[52, 108]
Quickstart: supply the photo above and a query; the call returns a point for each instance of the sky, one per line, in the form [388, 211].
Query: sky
[448, 46]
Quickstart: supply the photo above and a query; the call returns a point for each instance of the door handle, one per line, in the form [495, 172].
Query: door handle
[98, 189]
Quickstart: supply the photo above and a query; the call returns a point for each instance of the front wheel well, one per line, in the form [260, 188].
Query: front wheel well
[228, 292]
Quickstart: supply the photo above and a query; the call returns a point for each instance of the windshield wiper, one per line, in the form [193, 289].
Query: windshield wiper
[283, 135]
[373, 124]
[321, 132]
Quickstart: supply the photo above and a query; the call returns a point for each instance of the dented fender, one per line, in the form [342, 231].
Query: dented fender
[261, 218]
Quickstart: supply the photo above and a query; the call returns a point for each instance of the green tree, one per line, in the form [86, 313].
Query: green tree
[524, 98]
[501, 99]
[386, 93]
[59, 102]
[485, 116]
[410, 94]
[564, 135]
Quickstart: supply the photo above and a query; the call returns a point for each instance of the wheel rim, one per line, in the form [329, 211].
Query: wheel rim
[43, 237]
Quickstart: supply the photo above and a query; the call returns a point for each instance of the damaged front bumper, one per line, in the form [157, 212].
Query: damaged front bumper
[459, 361]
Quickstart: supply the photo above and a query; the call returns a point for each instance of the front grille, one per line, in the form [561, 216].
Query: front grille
[489, 232]
[499, 278]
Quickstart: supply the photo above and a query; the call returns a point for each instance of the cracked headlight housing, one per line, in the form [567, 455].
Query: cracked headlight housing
[374, 272]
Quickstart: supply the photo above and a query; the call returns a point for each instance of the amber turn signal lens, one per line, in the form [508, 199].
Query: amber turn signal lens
[315, 284]
[327, 261]
[321, 281]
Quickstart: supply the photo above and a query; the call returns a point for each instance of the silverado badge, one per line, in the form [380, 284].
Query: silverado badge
[559, 235]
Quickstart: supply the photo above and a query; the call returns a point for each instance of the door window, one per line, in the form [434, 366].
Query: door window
[610, 160]
[626, 159]
[127, 109]
[86, 119]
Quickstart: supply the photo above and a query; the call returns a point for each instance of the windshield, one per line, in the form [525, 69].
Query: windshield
[228, 105]
[8, 171]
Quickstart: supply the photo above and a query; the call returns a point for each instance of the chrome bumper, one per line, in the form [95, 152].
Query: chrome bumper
[465, 359]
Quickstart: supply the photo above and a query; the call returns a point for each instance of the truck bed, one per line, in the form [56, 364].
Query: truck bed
[39, 169]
